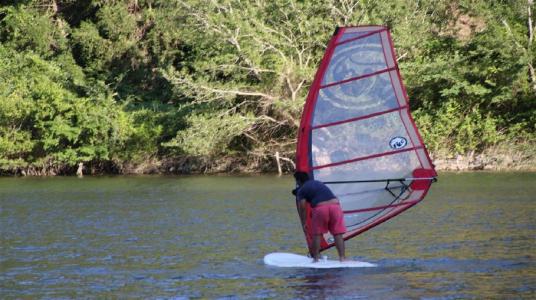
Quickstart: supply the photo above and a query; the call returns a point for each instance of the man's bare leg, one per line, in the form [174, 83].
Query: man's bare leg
[339, 244]
[316, 247]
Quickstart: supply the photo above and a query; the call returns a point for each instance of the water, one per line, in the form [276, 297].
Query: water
[474, 236]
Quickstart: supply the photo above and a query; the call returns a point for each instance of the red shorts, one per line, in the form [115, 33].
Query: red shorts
[328, 217]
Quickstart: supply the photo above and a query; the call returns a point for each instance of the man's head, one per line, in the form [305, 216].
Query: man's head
[301, 177]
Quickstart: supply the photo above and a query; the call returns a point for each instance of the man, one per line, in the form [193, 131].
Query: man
[327, 214]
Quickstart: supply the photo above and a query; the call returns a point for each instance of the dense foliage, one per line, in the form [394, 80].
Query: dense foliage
[198, 84]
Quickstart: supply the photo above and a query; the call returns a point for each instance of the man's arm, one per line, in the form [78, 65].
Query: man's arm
[302, 210]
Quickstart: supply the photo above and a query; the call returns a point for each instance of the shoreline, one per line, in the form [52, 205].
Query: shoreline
[238, 165]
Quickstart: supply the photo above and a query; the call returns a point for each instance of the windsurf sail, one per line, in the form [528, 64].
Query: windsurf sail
[357, 134]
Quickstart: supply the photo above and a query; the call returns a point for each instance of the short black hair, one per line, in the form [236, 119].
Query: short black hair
[301, 177]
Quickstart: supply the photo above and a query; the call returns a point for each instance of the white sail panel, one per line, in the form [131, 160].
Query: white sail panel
[355, 99]
[355, 58]
[357, 139]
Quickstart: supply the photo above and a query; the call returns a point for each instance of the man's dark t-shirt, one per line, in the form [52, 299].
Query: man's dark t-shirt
[314, 192]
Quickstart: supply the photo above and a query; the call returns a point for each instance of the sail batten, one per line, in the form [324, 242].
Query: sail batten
[357, 134]
[365, 158]
[360, 118]
[360, 37]
[358, 77]
[378, 207]
[380, 180]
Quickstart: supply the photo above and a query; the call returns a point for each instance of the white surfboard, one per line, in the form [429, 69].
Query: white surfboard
[291, 260]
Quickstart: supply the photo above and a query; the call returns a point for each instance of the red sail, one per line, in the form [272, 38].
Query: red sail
[357, 134]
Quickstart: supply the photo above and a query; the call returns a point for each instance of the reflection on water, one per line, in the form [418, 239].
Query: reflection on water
[189, 237]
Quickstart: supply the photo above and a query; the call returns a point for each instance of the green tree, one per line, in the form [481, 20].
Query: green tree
[120, 83]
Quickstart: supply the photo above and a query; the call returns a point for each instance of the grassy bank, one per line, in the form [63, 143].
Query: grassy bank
[503, 158]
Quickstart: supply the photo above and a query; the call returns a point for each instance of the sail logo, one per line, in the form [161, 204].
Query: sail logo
[398, 142]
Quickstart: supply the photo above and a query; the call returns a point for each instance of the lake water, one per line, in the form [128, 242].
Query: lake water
[474, 236]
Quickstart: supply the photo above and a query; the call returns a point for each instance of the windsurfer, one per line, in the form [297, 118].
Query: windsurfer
[327, 214]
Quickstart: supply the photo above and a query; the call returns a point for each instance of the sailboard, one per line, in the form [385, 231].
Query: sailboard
[291, 260]
[357, 134]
